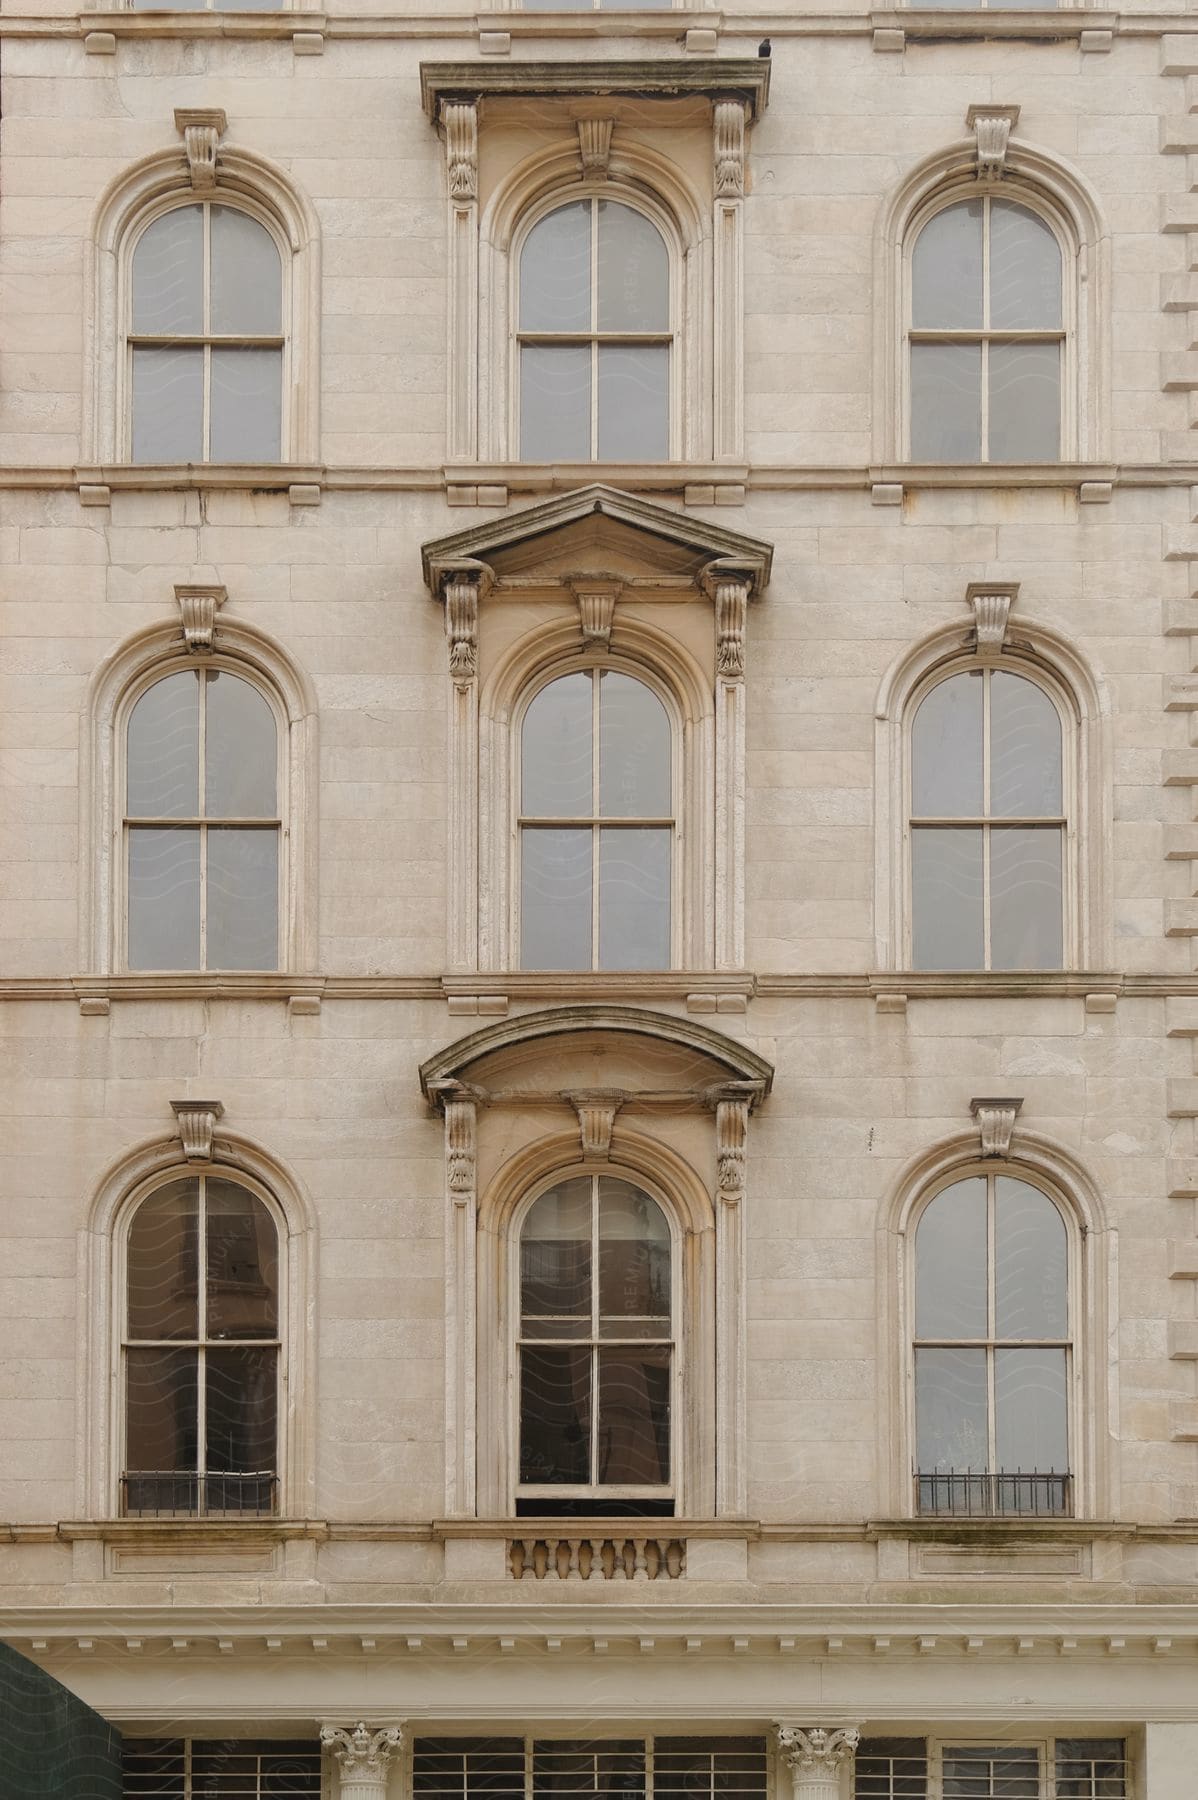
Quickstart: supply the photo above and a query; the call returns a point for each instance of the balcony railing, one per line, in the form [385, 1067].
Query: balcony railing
[167, 1494]
[965, 1494]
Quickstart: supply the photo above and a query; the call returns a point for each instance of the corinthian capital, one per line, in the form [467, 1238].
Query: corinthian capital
[811, 1750]
[362, 1752]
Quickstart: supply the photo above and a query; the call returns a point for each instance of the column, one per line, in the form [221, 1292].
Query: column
[459, 1106]
[728, 144]
[363, 1756]
[815, 1755]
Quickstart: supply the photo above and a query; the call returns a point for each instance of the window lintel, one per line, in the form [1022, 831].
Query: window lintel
[721, 78]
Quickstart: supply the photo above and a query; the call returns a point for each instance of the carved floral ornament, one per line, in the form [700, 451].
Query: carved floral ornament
[362, 1752]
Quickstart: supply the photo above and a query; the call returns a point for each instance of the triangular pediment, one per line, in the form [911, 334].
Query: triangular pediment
[596, 528]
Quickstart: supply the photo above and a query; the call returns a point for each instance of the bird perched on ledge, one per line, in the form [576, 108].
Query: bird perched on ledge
[764, 47]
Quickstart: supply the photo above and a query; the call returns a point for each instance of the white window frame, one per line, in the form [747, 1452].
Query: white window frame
[126, 824]
[604, 661]
[649, 208]
[1005, 662]
[514, 1343]
[123, 1342]
[991, 1169]
[959, 193]
[261, 216]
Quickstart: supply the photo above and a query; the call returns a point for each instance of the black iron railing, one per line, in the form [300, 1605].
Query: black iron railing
[958, 1494]
[160, 1494]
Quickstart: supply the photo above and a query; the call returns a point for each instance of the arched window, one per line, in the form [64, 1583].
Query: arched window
[596, 1350]
[987, 824]
[596, 824]
[202, 824]
[987, 335]
[206, 338]
[992, 1350]
[595, 336]
[201, 1349]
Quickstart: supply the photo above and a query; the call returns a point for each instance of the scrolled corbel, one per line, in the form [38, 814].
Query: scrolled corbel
[992, 127]
[463, 585]
[202, 128]
[728, 147]
[199, 603]
[729, 585]
[460, 119]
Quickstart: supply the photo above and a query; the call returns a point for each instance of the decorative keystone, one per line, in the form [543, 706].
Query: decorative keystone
[202, 128]
[196, 1121]
[996, 1121]
[596, 1109]
[594, 146]
[992, 127]
[991, 602]
[596, 596]
[199, 606]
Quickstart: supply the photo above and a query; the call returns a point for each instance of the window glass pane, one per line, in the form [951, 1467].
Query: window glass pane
[555, 402]
[634, 750]
[950, 1263]
[154, 1769]
[161, 1263]
[555, 1262]
[247, 276]
[946, 751]
[242, 1403]
[1091, 1769]
[168, 275]
[243, 1264]
[634, 386]
[634, 1416]
[946, 402]
[241, 750]
[991, 1772]
[160, 1409]
[609, 1768]
[246, 405]
[1025, 271]
[946, 270]
[1030, 1422]
[555, 900]
[555, 745]
[1025, 402]
[1025, 749]
[634, 899]
[950, 1410]
[1030, 1271]
[163, 778]
[555, 271]
[555, 1415]
[634, 272]
[946, 899]
[891, 1769]
[1025, 898]
[243, 899]
[164, 898]
[168, 405]
[634, 1262]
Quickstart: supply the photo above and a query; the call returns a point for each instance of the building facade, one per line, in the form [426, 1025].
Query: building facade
[598, 991]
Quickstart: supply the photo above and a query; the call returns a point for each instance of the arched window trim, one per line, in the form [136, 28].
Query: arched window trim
[510, 1311]
[1043, 655]
[101, 1263]
[952, 193]
[651, 207]
[116, 687]
[1092, 1265]
[1014, 659]
[143, 193]
[647, 654]
[640, 177]
[681, 890]
[1058, 194]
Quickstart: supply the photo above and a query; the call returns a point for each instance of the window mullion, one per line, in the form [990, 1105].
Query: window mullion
[987, 958]
[202, 797]
[991, 1326]
[594, 1470]
[596, 829]
[594, 321]
[205, 440]
[985, 346]
[202, 1335]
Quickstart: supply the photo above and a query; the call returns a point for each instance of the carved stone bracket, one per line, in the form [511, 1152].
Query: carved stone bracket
[996, 1121]
[363, 1756]
[460, 119]
[596, 596]
[202, 128]
[463, 586]
[815, 1756]
[594, 146]
[196, 1121]
[731, 1134]
[728, 147]
[992, 127]
[596, 1109]
[461, 1137]
[199, 606]
[729, 584]
[991, 602]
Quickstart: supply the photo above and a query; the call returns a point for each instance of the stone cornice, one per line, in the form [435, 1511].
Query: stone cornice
[654, 78]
